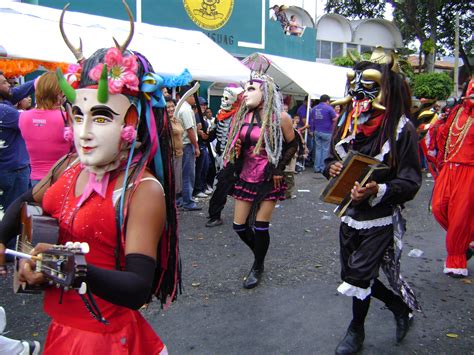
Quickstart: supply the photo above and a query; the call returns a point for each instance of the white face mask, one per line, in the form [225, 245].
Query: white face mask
[97, 129]
[228, 99]
[253, 94]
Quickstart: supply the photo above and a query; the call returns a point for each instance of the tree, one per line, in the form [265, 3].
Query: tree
[430, 22]
[432, 86]
[348, 61]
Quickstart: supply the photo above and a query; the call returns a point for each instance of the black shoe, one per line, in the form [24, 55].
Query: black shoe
[192, 208]
[455, 276]
[253, 278]
[214, 223]
[402, 320]
[352, 342]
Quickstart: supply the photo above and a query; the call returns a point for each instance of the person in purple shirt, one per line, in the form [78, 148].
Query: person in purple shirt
[301, 112]
[321, 122]
[14, 159]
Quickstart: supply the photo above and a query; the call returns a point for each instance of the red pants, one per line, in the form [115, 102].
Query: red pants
[453, 208]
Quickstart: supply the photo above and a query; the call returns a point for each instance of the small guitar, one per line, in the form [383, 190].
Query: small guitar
[64, 266]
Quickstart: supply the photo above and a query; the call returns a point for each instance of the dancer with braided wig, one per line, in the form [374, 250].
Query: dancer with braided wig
[453, 201]
[116, 194]
[376, 124]
[261, 143]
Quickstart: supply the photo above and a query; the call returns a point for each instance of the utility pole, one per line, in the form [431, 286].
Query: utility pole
[315, 11]
[456, 55]
[139, 11]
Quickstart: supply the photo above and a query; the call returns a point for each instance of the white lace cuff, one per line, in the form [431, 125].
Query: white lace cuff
[448, 270]
[374, 200]
[351, 291]
[378, 222]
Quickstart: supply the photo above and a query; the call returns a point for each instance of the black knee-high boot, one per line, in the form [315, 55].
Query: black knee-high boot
[394, 303]
[261, 243]
[245, 233]
[354, 338]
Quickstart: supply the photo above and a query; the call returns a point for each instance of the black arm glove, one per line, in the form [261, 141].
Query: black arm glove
[11, 222]
[288, 152]
[130, 288]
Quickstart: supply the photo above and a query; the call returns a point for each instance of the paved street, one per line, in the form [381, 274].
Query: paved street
[296, 309]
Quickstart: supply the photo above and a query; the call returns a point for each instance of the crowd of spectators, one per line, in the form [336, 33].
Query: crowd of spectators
[193, 151]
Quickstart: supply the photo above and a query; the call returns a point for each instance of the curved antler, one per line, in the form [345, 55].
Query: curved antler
[351, 55]
[76, 51]
[124, 46]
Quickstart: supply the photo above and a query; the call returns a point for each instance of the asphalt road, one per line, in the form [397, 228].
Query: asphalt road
[296, 308]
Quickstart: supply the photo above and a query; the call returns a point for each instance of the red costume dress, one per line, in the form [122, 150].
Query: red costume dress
[73, 330]
[453, 195]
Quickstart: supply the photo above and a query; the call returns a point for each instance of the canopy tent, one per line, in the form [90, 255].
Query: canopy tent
[170, 50]
[314, 79]
[298, 77]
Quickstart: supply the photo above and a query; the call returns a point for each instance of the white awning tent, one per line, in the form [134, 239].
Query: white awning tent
[301, 78]
[169, 50]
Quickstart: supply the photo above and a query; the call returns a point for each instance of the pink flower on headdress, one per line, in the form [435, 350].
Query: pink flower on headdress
[74, 69]
[73, 75]
[122, 71]
[129, 133]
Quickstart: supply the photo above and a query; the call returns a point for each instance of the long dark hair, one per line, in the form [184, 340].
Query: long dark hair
[167, 277]
[396, 98]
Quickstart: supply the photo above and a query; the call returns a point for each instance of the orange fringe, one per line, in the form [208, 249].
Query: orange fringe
[20, 67]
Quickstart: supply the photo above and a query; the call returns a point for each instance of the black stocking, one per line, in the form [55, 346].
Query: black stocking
[360, 308]
[382, 293]
[391, 300]
[245, 233]
[262, 241]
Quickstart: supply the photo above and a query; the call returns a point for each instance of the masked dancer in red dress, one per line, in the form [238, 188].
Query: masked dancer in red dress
[453, 194]
[116, 194]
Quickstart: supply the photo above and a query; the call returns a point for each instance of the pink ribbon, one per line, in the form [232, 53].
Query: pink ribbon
[100, 187]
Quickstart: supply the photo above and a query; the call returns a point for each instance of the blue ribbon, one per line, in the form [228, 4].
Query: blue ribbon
[152, 84]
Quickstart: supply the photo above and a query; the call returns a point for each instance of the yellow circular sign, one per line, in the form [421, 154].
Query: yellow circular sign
[209, 14]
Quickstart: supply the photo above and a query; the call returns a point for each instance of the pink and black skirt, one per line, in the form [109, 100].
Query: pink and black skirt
[248, 191]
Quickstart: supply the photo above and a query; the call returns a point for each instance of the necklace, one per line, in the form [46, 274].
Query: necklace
[456, 144]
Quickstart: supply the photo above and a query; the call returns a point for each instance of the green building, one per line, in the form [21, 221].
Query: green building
[241, 27]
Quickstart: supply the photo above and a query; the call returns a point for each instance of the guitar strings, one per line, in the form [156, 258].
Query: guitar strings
[26, 247]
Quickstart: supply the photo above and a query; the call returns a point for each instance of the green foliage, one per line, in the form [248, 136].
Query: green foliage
[431, 20]
[357, 9]
[347, 61]
[432, 86]
[428, 46]
[343, 62]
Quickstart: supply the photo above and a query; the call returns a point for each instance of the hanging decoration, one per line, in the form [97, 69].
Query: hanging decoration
[13, 68]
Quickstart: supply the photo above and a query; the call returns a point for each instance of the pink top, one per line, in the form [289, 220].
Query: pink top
[253, 169]
[43, 132]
